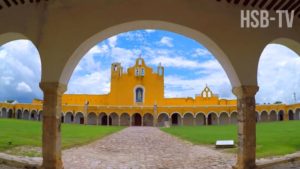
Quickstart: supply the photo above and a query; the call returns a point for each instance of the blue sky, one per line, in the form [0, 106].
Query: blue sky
[188, 67]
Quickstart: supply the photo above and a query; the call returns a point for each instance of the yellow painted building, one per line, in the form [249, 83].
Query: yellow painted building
[137, 98]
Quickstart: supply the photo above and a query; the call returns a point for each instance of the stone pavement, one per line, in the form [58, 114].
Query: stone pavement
[145, 147]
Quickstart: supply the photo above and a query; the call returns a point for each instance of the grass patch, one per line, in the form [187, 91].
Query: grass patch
[21, 133]
[274, 138]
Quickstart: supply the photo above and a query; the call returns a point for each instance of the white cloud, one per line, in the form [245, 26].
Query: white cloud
[96, 82]
[3, 54]
[178, 62]
[150, 30]
[278, 75]
[201, 52]
[20, 71]
[99, 49]
[166, 41]
[124, 56]
[112, 41]
[180, 86]
[6, 79]
[23, 87]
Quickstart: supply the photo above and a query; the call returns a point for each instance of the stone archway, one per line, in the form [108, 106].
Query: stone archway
[224, 118]
[103, 119]
[19, 114]
[125, 119]
[114, 119]
[136, 119]
[273, 115]
[291, 115]
[248, 82]
[34, 115]
[233, 118]
[92, 118]
[188, 119]
[200, 119]
[176, 119]
[264, 117]
[212, 119]
[106, 120]
[297, 114]
[79, 118]
[4, 113]
[281, 115]
[148, 119]
[225, 61]
[10, 113]
[69, 117]
[26, 115]
[163, 120]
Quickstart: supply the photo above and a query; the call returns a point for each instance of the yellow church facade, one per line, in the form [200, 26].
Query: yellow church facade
[137, 98]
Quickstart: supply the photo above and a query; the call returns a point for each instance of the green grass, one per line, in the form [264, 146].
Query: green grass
[16, 133]
[276, 138]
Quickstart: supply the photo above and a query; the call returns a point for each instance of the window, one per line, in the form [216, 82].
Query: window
[208, 94]
[115, 68]
[204, 94]
[136, 71]
[142, 72]
[140, 62]
[139, 95]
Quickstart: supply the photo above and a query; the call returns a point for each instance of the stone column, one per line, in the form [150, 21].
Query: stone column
[181, 120]
[16, 114]
[194, 121]
[97, 120]
[155, 120]
[246, 126]
[51, 141]
[107, 121]
[119, 120]
[130, 120]
[85, 120]
[74, 117]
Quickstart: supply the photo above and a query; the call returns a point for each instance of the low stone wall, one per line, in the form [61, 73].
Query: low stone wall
[20, 162]
[284, 162]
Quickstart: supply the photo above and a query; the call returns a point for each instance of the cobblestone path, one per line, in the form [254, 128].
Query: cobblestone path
[145, 147]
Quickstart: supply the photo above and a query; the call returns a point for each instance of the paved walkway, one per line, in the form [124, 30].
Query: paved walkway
[145, 147]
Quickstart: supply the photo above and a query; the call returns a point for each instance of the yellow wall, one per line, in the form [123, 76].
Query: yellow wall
[121, 97]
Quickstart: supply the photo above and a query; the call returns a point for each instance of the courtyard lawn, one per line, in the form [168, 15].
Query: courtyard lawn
[16, 133]
[273, 138]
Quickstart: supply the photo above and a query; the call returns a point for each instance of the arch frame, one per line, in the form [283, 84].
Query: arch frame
[138, 24]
